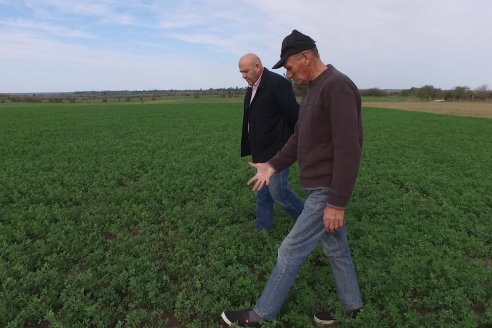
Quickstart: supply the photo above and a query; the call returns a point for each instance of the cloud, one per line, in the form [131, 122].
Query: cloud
[222, 28]
[23, 24]
[37, 64]
[379, 43]
[105, 11]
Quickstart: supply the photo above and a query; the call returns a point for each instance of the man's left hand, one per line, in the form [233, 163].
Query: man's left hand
[262, 177]
[333, 218]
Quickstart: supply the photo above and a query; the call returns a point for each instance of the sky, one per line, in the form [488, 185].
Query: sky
[85, 45]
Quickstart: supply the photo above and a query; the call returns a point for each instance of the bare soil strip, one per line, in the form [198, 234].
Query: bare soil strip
[483, 110]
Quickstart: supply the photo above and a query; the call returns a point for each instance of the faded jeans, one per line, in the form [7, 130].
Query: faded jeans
[276, 191]
[297, 246]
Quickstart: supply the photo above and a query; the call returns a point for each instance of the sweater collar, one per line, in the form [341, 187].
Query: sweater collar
[327, 72]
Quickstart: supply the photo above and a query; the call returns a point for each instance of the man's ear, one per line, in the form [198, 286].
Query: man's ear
[306, 56]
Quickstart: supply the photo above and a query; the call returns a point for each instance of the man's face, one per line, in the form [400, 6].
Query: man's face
[249, 71]
[296, 68]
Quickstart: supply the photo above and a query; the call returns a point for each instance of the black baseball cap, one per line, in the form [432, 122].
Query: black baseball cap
[293, 44]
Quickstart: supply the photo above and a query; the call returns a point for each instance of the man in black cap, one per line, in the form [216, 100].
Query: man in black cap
[327, 144]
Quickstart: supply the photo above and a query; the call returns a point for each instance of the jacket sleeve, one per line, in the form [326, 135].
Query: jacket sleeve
[287, 102]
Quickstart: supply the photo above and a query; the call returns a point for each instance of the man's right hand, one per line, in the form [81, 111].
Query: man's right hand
[262, 177]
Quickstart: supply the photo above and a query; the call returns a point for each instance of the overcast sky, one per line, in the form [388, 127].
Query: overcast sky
[75, 45]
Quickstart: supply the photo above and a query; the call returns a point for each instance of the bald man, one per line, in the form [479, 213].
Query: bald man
[270, 114]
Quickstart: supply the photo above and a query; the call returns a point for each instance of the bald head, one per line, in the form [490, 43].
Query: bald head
[250, 59]
[250, 67]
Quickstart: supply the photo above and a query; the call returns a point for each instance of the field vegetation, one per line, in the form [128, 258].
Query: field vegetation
[138, 215]
[461, 108]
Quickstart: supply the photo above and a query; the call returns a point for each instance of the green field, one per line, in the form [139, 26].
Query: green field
[138, 215]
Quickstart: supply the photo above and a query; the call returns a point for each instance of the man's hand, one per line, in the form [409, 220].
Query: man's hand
[333, 219]
[262, 176]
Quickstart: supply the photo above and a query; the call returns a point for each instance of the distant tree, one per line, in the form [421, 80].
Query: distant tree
[438, 94]
[481, 93]
[412, 92]
[460, 93]
[426, 92]
[373, 92]
[448, 95]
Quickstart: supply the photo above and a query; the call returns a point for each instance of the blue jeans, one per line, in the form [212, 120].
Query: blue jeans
[297, 246]
[276, 191]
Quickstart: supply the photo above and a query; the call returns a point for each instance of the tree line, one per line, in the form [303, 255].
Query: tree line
[425, 93]
[118, 95]
[430, 93]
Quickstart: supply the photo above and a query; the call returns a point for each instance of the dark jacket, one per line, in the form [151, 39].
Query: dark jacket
[271, 115]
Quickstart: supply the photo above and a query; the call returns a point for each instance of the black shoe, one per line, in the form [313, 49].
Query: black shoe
[324, 318]
[240, 318]
[328, 318]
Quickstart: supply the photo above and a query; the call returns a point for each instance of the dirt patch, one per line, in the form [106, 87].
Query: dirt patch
[449, 108]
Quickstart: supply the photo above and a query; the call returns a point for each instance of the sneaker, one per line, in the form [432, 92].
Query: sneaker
[328, 318]
[324, 318]
[240, 318]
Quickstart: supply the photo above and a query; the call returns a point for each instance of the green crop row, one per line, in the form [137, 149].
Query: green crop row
[138, 215]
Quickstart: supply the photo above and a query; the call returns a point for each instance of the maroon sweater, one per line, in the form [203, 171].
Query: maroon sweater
[327, 139]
